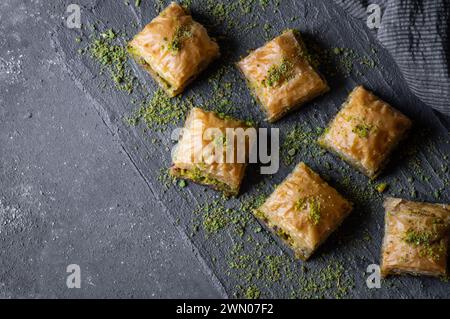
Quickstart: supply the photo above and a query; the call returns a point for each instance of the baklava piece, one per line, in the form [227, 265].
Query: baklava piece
[416, 238]
[365, 132]
[207, 154]
[303, 211]
[280, 76]
[173, 48]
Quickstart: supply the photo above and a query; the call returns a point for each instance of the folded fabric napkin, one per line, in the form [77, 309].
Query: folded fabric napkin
[416, 32]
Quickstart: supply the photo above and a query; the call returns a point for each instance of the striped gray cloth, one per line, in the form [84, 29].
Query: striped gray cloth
[416, 32]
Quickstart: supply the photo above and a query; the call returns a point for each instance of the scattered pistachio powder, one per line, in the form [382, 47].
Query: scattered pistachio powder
[301, 140]
[252, 292]
[113, 57]
[165, 179]
[222, 12]
[216, 218]
[256, 268]
[237, 15]
[216, 215]
[361, 193]
[423, 141]
[340, 60]
[246, 6]
[329, 281]
[161, 110]
[222, 92]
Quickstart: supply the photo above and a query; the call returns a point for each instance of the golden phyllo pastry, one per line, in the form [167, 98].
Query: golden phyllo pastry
[213, 150]
[365, 132]
[304, 210]
[174, 48]
[280, 76]
[415, 238]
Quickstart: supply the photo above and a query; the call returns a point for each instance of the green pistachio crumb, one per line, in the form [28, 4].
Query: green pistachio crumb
[314, 208]
[381, 187]
[362, 130]
[314, 213]
[252, 292]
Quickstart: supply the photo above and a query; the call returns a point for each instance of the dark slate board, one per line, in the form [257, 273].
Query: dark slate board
[326, 24]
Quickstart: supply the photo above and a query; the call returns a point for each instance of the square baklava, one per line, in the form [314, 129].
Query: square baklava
[213, 150]
[173, 48]
[303, 211]
[280, 75]
[365, 132]
[416, 238]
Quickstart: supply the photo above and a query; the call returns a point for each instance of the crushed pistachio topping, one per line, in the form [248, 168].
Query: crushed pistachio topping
[418, 238]
[314, 213]
[313, 204]
[278, 74]
[362, 130]
[300, 204]
[182, 33]
[424, 240]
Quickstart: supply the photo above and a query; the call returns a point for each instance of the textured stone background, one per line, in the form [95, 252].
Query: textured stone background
[79, 185]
